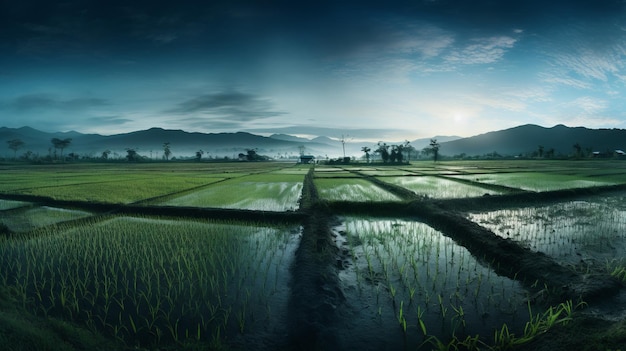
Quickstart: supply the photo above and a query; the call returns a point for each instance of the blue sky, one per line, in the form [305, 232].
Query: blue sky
[370, 70]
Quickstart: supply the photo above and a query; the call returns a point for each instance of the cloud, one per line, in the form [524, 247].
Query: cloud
[567, 81]
[231, 106]
[352, 134]
[588, 105]
[482, 51]
[590, 64]
[47, 102]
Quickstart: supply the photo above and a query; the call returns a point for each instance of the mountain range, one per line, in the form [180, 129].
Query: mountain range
[514, 141]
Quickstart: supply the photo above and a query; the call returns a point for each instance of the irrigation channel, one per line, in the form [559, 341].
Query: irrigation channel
[344, 295]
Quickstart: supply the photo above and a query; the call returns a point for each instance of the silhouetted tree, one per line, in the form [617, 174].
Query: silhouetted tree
[251, 154]
[199, 154]
[167, 151]
[578, 149]
[434, 149]
[15, 145]
[366, 150]
[131, 155]
[408, 148]
[105, 154]
[550, 153]
[61, 144]
[540, 151]
[383, 150]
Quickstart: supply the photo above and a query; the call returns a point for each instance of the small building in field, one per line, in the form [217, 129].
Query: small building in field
[306, 159]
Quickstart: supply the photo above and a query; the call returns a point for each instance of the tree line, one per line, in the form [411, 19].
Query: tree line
[400, 152]
[56, 153]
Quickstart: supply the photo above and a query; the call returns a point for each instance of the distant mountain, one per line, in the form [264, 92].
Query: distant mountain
[420, 144]
[514, 141]
[287, 137]
[150, 143]
[526, 138]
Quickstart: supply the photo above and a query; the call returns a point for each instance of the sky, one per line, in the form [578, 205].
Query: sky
[364, 70]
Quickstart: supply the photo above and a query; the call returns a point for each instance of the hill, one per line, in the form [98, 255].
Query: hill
[523, 140]
[150, 143]
[527, 138]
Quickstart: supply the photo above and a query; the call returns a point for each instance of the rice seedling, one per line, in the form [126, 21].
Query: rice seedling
[143, 280]
[535, 181]
[270, 192]
[353, 189]
[23, 221]
[436, 187]
[572, 232]
[445, 285]
[10, 204]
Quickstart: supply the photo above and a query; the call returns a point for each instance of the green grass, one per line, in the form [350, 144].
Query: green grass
[353, 189]
[570, 232]
[149, 282]
[408, 274]
[268, 192]
[534, 181]
[36, 217]
[8, 204]
[438, 188]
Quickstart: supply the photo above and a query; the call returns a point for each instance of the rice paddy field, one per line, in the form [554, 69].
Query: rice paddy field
[472, 255]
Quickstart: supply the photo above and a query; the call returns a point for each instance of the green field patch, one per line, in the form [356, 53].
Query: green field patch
[409, 282]
[538, 181]
[352, 189]
[295, 171]
[11, 204]
[573, 233]
[267, 192]
[438, 188]
[387, 172]
[338, 174]
[152, 283]
[119, 191]
[29, 219]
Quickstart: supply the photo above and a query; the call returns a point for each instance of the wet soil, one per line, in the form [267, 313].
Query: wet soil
[318, 307]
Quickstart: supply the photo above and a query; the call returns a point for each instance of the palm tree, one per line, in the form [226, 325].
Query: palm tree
[166, 151]
[434, 148]
[366, 150]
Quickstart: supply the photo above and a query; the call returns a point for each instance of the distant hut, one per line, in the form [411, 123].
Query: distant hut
[306, 159]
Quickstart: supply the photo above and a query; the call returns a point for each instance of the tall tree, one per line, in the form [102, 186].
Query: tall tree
[131, 155]
[540, 151]
[15, 145]
[61, 144]
[167, 151]
[383, 150]
[578, 149]
[408, 148]
[105, 154]
[434, 149]
[199, 154]
[366, 150]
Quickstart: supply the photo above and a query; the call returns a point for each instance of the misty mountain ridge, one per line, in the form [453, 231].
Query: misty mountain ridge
[523, 140]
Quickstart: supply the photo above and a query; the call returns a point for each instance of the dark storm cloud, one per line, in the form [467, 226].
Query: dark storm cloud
[322, 28]
[107, 120]
[235, 106]
[46, 102]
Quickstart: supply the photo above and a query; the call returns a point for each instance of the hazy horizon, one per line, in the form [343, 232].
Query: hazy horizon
[398, 70]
